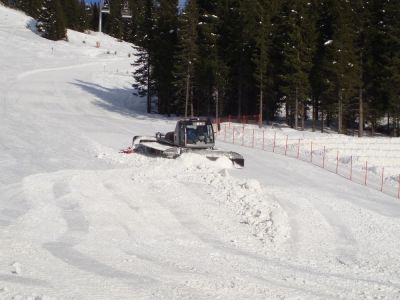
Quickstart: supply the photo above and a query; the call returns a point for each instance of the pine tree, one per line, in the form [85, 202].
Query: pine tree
[83, 16]
[362, 23]
[94, 17]
[144, 75]
[51, 20]
[165, 39]
[32, 7]
[250, 20]
[224, 34]
[391, 81]
[208, 63]
[144, 83]
[71, 10]
[137, 8]
[345, 63]
[261, 55]
[235, 48]
[295, 46]
[186, 58]
[336, 77]
[116, 23]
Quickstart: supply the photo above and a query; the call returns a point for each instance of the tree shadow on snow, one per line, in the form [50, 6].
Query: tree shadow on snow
[118, 100]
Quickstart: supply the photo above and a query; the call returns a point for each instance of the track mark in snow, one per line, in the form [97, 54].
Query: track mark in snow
[77, 229]
[37, 71]
[344, 241]
[15, 206]
[24, 280]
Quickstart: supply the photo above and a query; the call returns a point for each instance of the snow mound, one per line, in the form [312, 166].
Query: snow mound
[244, 199]
[193, 160]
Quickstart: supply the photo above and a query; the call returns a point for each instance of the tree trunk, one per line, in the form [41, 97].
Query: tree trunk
[260, 119]
[148, 86]
[361, 102]
[296, 112]
[322, 118]
[340, 112]
[388, 124]
[191, 102]
[303, 109]
[291, 116]
[328, 119]
[217, 108]
[314, 113]
[240, 96]
[187, 93]
[287, 113]
[361, 114]
[373, 122]
[395, 126]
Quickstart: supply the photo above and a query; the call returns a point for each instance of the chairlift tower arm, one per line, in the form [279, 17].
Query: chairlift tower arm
[105, 8]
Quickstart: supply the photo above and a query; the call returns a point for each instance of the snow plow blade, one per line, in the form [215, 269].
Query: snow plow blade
[238, 162]
[236, 159]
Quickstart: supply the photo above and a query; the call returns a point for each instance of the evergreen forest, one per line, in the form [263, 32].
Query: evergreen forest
[318, 63]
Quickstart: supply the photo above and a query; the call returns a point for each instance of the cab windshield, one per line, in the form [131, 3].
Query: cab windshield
[199, 134]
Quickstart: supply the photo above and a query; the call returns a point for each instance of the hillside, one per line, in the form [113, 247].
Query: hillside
[79, 220]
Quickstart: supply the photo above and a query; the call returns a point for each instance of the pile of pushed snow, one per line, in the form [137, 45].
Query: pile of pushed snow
[244, 199]
[193, 160]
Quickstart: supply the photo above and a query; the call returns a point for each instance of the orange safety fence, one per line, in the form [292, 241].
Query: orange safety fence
[351, 167]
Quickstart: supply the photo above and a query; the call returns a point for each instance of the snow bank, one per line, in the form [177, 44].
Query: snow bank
[245, 198]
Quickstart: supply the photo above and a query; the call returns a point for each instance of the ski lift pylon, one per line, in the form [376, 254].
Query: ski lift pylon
[105, 8]
[125, 11]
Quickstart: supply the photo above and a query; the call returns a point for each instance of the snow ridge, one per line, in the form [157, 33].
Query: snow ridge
[245, 198]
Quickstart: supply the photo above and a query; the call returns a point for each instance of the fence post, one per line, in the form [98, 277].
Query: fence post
[323, 160]
[383, 171]
[311, 152]
[263, 147]
[298, 150]
[286, 144]
[273, 147]
[351, 167]
[366, 172]
[253, 139]
[337, 162]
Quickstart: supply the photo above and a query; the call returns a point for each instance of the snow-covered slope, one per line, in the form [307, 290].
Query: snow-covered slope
[78, 220]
